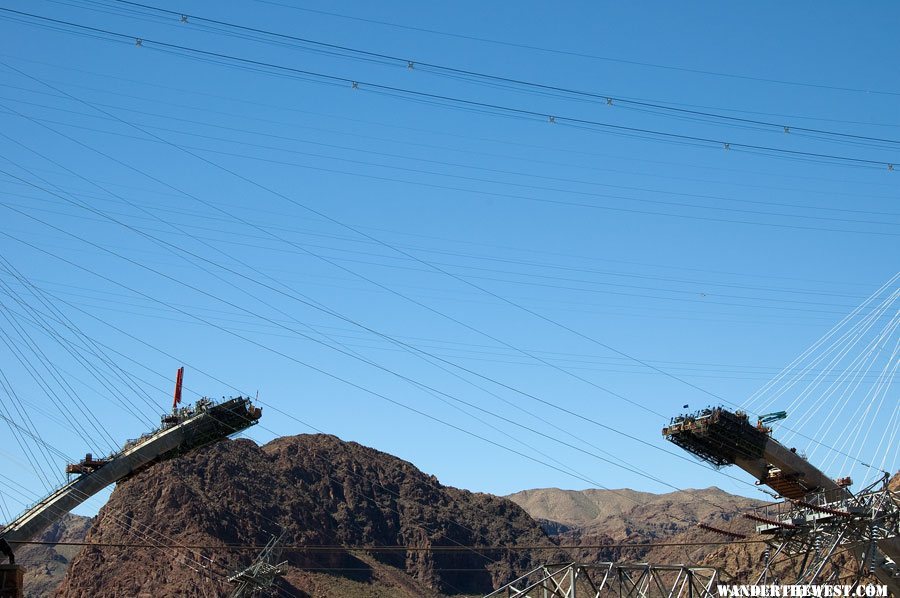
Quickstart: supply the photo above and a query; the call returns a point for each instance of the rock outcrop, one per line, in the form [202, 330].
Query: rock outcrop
[180, 527]
[46, 564]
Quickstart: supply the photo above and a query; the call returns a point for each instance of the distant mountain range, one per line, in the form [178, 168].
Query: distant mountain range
[621, 513]
[594, 517]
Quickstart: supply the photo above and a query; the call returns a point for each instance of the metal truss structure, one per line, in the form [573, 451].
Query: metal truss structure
[814, 530]
[639, 580]
[261, 575]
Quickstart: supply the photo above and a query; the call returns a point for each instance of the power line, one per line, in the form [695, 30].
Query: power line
[196, 215]
[425, 387]
[502, 358]
[431, 132]
[477, 352]
[701, 287]
[401, 376]
[543, 200]
[580, 476]
[585, 55]
[356, 356]
[371, 330]
[467, 103]
[309, 366]
[474, 179]
[369, 152]
[412, 64]
[405, 548]
[531, 278]
[530, 261]
[424, 262]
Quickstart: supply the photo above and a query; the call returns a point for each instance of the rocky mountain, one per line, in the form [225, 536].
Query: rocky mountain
[182, 526]
[46, 564]
[176, 519]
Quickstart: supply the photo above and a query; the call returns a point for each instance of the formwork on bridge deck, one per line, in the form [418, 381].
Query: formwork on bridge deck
[718, 436]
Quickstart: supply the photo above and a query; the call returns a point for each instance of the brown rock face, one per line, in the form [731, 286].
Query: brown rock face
[318, 491]
[45, 565]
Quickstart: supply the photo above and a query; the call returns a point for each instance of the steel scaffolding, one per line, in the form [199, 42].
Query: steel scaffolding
[622, 580]
[814, 530]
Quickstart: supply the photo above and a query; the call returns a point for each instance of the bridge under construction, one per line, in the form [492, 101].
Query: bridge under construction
[819, 515]
[182, 430]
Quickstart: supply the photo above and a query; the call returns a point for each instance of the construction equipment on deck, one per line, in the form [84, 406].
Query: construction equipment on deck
[183, 430]
[86, 465]
[768, 418]
[721, 437]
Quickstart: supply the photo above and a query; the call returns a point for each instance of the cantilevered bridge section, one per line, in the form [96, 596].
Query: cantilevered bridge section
[722, 437]
[183, 430]
[820, 516]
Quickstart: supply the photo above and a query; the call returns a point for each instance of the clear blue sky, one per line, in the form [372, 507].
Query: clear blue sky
[716, 265]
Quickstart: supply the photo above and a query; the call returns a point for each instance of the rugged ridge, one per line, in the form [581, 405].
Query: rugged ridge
[594, 517]
[322, 491]
[622, 507]
[319, 491]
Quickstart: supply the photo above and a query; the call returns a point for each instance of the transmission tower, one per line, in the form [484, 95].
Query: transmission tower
[261, 574]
